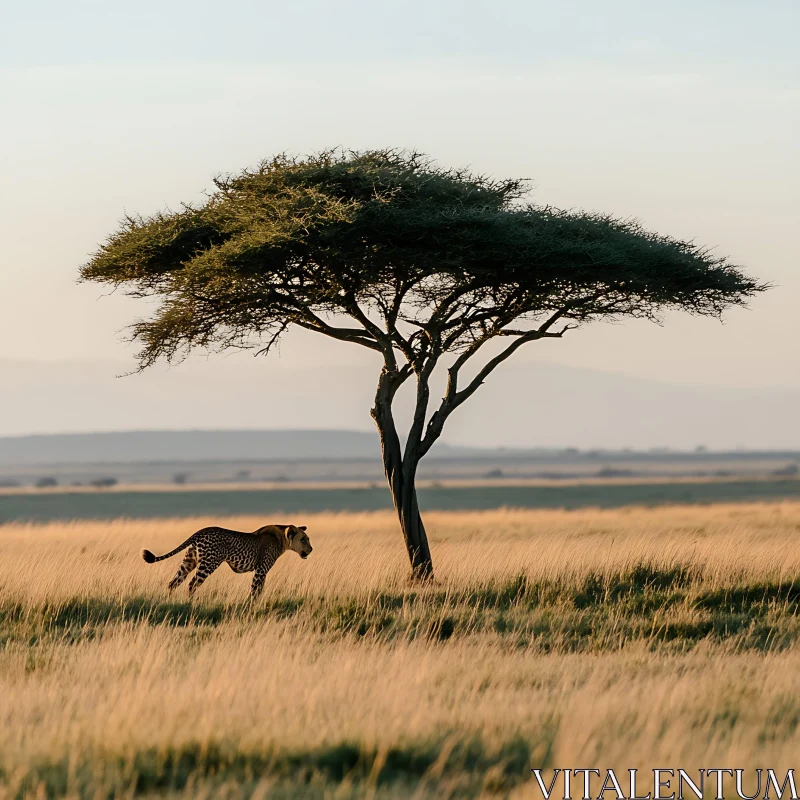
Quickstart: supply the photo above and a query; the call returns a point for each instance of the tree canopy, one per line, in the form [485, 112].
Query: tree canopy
[442, 250]
[388, 250]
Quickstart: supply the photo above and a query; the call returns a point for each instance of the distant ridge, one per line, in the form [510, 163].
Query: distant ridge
[154, 446]
[191, 445]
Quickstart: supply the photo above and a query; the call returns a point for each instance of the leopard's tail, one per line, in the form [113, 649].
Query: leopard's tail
[150, 558]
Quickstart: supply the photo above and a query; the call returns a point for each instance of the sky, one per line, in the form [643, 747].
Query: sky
[685, 115]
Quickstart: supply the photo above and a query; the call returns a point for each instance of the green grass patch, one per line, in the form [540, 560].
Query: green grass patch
[467, 765]
[671, 606]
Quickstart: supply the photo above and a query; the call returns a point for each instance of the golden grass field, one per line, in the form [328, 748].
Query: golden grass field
[630, 638]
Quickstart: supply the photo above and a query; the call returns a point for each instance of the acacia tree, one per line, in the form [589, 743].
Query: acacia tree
[388, 251]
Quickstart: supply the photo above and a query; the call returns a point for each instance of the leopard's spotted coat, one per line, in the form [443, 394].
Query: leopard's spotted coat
[258, 551]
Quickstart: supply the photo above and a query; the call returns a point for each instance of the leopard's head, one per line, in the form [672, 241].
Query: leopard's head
[298, 540]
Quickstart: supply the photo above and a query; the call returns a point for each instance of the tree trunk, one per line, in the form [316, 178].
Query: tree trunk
[401, 480]
[419, 553]
[404, 496]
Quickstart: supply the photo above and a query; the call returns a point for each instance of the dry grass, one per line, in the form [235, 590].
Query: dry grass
[632, 638]
[362, 553]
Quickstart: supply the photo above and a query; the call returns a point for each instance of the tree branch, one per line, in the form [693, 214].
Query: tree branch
[357, 313]
[454, 398]
[387, 339]
[312, 322]
[412, 454]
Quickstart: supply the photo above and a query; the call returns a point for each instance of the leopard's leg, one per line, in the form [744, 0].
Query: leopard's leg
[258, 579]
[207, 564]
[189, 563]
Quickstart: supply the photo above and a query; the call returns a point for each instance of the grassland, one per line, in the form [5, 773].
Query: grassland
[624, 638]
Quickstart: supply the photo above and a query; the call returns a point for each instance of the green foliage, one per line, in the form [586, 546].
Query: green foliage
[389, 233]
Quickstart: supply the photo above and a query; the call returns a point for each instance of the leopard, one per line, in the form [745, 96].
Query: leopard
[255, 551]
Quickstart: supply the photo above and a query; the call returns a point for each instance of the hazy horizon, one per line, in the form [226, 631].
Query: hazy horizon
[526, 404]
[440, 445]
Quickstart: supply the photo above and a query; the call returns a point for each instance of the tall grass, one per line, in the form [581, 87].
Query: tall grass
[632, 638]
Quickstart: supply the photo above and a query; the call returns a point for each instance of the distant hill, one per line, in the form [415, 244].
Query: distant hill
[198, 445]
[143, 447]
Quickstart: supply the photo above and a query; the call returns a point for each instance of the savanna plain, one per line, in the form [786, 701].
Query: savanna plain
[664, 637]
